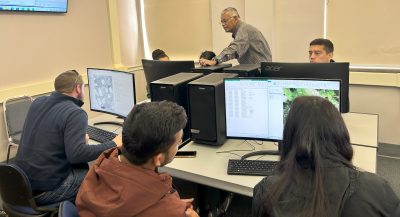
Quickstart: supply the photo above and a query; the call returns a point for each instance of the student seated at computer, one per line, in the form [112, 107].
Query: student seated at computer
[125, 182]
[321, 51]
[208, 55]
[159, 54]
[54, 148]
[315, 175]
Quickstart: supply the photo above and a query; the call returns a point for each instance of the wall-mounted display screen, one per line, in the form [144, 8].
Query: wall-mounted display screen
[59, 6]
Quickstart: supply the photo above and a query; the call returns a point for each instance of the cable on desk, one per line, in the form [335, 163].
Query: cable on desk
[259, 157]
[233, 150]
[257, 142]
[117, 129]
[234, 154]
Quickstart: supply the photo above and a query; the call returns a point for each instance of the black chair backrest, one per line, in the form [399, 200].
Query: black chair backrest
[15, 188]
[16, 110]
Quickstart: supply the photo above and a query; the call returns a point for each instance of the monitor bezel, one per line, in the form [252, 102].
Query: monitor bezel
[334, 70]
[39, 11]
[150, 76]
[273, 78]
[113, 70]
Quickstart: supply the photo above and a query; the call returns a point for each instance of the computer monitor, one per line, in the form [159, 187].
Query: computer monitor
[336, 71]
[256, 108]
[111, 91]
[157, 69]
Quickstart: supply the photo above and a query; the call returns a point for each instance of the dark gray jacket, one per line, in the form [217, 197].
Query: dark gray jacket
[351, 194]
[53, 141]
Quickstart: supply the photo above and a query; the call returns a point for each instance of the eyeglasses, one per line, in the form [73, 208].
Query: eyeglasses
[225, 21]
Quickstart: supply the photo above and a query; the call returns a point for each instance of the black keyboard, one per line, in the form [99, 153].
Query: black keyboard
[251, 167]
[100, 135]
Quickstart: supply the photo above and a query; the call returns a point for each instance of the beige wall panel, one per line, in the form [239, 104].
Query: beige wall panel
[261, 14]
[365, 31]
[180, 28]
[384, 101]
[130, 34]
[296, 24]
[37, 46]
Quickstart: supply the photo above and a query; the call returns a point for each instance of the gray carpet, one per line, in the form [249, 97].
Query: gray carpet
[388, 165]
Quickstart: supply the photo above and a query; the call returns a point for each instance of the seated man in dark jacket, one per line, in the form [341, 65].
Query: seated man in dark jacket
[125, 182]
[54, 148]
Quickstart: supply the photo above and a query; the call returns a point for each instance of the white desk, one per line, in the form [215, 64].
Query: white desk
[209, 167]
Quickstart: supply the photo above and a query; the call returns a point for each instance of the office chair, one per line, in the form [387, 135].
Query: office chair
[67, 209]
[15, 110]
[16, 193]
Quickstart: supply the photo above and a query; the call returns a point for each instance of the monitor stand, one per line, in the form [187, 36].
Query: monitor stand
[264, 152]
[111, 122]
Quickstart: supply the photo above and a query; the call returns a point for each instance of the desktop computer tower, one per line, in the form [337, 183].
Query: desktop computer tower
[207, 108]
[174, 88]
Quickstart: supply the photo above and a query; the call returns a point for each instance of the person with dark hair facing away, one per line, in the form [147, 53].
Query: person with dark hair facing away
[248, 46]
[208, 55]
[125, 182]
[315, 176]
[159, 54]
[321, 51]
[54, 148]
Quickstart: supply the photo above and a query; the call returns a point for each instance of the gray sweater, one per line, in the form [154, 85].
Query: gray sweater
[249, 46]
[53, 141]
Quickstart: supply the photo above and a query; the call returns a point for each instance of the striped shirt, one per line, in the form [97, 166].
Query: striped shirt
[249, 46]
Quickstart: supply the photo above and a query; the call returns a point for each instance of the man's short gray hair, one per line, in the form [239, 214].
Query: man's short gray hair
[232, 11]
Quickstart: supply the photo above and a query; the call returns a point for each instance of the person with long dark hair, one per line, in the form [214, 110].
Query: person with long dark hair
[315, 176]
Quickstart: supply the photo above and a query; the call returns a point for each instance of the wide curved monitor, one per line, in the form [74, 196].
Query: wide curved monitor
[111, 91]
[256, 108]
[337, 71]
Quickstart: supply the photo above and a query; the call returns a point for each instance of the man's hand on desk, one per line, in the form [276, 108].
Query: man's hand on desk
[87, 139]
[118, 140]
[189, 208]
[205, 62]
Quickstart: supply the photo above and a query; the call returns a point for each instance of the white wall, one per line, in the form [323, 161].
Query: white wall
[35, 47]
[180, 28]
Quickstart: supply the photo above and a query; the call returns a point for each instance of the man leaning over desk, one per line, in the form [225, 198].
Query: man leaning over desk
[248, 46]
